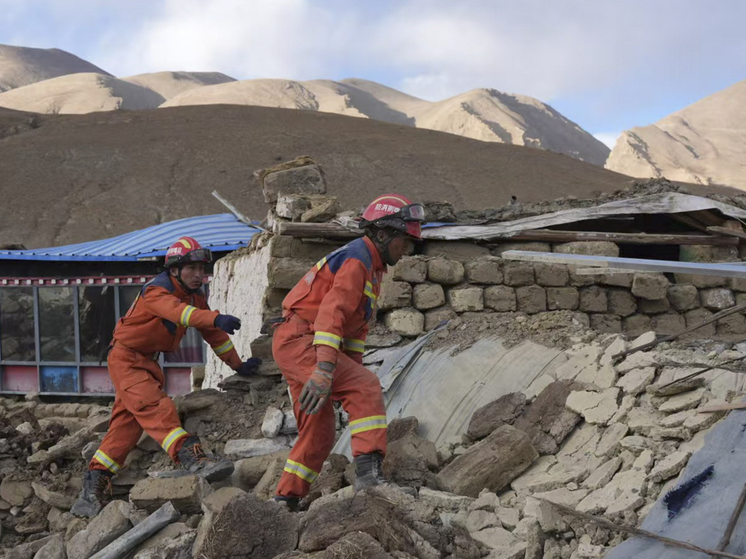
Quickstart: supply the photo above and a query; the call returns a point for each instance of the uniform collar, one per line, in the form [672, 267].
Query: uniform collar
[179, 290]
[377, 262]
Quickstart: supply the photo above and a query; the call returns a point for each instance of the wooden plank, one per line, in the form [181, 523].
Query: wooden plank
[725, 540]
[707, 217]
[689, 221]
[556, 236]
[725, 231]
[722, 407]
[726, 270]
[293, 229]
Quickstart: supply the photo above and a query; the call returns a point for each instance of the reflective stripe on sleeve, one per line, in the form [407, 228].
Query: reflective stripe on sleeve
[354, 345]
[327, 338]
[223, 348]
[368, 424]
[186, 314]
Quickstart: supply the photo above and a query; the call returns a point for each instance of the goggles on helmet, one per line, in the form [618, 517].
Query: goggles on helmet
[411, 212]
[196, 255]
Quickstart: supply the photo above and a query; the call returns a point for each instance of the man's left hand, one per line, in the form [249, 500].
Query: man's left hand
[249, 367]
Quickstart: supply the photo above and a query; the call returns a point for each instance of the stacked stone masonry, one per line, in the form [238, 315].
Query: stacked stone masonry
[451, 278]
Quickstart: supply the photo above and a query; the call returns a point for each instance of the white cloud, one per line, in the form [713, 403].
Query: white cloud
[608, 138]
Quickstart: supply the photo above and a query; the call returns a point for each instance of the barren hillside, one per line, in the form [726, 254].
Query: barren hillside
[81, 177]
[170, 84]
[21, 66]
[703, 143]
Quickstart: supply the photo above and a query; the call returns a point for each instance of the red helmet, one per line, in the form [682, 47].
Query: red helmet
[186, 250]
[397, 212]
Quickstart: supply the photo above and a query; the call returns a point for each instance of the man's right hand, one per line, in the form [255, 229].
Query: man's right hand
[316, 391]
[227, 323]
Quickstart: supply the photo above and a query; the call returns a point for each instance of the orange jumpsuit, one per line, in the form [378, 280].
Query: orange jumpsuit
[327, 315]
[156, 322]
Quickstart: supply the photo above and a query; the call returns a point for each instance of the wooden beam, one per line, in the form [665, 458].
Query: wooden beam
[690, 221]
[622, 238]
[725, 231]
[722, 407]
[707, 217]
[294, 229]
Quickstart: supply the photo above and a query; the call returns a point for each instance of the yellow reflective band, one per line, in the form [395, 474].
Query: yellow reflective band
[368, 424]
[186, 314]
[369, 290]
[327, 338]
[320, 263]
[172, 437]
[103, 459]
[355, 345]
[298, 469]
[185, 243]
[221, 349]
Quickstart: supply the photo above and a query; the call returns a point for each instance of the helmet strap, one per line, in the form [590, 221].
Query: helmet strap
[181, 282]
[382, 244]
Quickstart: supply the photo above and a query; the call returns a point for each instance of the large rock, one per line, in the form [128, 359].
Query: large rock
[562, 298]
[410, 269]
[111, 523]
[500, 298]
[547, 421]
[15, 492]
[394, 295]
[531, 299]
[492, 463]
[355, 544]
[29, 549]
[650, 286]
[272, 423]
[428, 296]
[250, 528]
[551, 275]
[465, 299]
[284, 273]
[406, 322]
[409, 459]
[436, 316]
[593, 299]
[186, 493]
[58, 499]
[444, 271]
[212, 506]
[717, 299]
[169, 533]
[249, 471]
[683, 297]
[487, 270]
[53, 549]
[668, 323]
[517, 274]
[179, 547]
[331, 477]
[621, 302]
[489, 417]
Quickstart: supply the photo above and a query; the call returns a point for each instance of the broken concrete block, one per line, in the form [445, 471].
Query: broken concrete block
[272, 423]
[186, 493]
[531, 299]
[500, 298]
[487, 500]
[249, 471]
[603, 474]
[405, 322]
[305, 179]
[428, 296]
[593, 299]
[464, 299]
[517, 274]
[394, 295]
[621, 302]
[592, 248]
[636, 380]
[111, 523]
[485, 270]
[650, 286]
[446, 272]
[409, 459]
[562, 298]
[608, 444]
[323, 208]
[669, 466]
[547, 421]
[411, 269]
[292, 206]
[634, 444]
[551, 275]
[499, 412]
[58, 499]
[480, 519]
[246, 448]
[681, 402]
[683, 297]
[492, 463]
[717, 299]
[501, 542]
[595, 407]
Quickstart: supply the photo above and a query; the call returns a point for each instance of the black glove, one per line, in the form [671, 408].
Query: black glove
[316, 391]
[227, 323]
[249, 367]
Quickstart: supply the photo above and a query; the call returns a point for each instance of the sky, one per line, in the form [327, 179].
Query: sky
[607, 65]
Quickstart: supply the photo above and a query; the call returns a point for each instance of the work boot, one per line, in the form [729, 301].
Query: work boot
[194, 460]
[368, 470]
[95, 494]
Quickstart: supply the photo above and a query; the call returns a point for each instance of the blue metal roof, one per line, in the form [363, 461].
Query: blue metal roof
[221, 232]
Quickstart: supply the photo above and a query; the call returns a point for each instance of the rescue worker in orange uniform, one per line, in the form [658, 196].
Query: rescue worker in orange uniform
[319, 347]
[156, 322]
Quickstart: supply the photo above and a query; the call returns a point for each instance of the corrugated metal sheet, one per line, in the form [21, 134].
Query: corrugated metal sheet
[220, 232]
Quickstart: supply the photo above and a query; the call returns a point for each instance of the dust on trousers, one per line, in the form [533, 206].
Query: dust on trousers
[357, 388]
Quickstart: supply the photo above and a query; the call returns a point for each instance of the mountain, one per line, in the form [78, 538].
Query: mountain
[21, 66]
[170, 84]
[74, 178]
[704, 143]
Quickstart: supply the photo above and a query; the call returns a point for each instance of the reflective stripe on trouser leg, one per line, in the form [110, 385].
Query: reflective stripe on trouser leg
[368, 424]
[172, 437]
[104, 460]
[303, 472]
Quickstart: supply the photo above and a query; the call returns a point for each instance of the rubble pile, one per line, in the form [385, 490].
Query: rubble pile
[599, 436]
